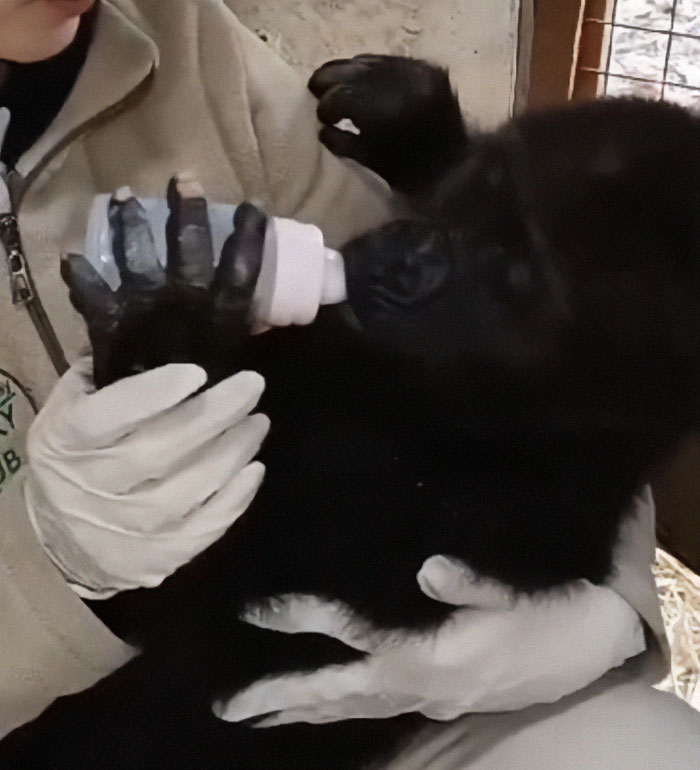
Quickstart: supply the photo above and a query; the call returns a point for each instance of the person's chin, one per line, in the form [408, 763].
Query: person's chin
[69, 9]
[48, 27]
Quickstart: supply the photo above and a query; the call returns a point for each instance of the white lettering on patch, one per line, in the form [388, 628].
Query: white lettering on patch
[17, 411]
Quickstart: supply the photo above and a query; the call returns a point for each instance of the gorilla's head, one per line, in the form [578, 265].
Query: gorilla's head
[443, 293]
[560, 335]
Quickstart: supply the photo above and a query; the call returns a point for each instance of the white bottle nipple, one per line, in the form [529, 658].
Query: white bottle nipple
[298, 274]
[334, 288]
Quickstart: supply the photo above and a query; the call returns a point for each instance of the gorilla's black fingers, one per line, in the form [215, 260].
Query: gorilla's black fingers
[103, 312]
[188, 234]
[344, 102]
[363, 69]
[90, 295]
[378, 58]
[403, 108]
[336, 72]
[344, 144]
[132, 243]
[241, 259]
[233, 289]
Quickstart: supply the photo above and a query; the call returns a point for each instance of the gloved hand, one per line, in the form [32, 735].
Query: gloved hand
[494, 653]
[128, 483]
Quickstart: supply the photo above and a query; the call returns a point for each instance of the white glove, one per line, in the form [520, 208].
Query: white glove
[495, 653]
[130, 482]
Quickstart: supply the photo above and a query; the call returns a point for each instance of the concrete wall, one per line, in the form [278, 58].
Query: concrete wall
[476, 39]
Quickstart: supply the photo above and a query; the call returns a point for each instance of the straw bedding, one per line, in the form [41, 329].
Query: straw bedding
[679, 594]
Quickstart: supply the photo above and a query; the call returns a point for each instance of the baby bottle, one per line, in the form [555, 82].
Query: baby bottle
[298, 272]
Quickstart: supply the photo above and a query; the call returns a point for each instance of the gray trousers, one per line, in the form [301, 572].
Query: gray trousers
[618, 723]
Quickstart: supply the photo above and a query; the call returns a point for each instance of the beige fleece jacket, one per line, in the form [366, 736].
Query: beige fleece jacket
[167, 86]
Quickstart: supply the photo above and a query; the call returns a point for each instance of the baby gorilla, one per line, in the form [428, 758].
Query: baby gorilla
[514, 359]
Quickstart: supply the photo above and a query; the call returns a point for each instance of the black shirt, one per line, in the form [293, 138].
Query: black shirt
[35, 92]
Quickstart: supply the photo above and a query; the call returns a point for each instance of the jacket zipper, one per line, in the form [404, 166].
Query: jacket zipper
[23, 288]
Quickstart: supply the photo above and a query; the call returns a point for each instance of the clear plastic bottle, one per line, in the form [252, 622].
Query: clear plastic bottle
[298, 272]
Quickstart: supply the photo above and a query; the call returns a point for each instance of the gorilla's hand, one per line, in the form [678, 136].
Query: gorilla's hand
[187, 312]
[410, 126]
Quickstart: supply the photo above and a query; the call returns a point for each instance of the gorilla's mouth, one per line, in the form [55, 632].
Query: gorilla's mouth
[356, 280]
[350, 318]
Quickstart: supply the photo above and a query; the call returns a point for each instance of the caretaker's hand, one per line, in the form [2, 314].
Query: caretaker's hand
[129, 482]
[494, 653]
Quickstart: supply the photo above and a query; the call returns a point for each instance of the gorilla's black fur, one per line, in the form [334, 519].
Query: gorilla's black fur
[527, 351]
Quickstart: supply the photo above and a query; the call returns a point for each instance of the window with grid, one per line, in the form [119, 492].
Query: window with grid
[648, 48]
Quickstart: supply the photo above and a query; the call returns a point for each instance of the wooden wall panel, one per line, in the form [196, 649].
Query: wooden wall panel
[557, 26]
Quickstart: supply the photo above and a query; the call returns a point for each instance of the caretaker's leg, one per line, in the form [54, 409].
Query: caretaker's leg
[618, 723]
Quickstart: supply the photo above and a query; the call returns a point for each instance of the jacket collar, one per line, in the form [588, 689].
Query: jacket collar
[120, 58]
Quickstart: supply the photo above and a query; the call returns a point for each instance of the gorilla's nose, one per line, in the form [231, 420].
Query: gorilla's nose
[401, 264]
